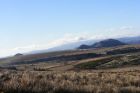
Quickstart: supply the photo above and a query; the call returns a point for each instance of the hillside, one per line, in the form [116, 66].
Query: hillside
[119, 61]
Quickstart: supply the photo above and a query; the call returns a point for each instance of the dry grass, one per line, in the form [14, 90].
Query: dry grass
[62, 76]
[70, 82]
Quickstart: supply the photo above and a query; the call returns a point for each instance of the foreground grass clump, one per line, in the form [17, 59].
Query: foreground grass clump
[69, 82]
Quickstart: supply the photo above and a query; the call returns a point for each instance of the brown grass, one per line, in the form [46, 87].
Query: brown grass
[70, 82]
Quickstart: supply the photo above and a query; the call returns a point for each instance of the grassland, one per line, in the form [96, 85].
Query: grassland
[106, 70]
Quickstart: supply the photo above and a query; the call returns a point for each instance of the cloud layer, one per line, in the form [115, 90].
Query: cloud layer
[70, 38]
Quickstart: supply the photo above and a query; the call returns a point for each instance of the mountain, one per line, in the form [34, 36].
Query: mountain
[108, 43]
[104, 43]
[84, 47]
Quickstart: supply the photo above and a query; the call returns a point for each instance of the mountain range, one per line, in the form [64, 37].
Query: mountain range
[87, 43]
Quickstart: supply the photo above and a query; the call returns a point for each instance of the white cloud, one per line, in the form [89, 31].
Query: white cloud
[67, 38]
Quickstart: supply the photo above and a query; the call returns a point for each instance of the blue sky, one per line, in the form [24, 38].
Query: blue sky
[34, 24]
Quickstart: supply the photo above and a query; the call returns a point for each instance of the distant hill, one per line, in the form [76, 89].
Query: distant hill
[104, 43]
[18, 54]
[107, 43]
[84, 47]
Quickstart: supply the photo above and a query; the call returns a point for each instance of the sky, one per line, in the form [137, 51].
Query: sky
[27, 25]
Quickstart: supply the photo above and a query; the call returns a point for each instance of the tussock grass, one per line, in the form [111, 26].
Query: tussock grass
[70, 82]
